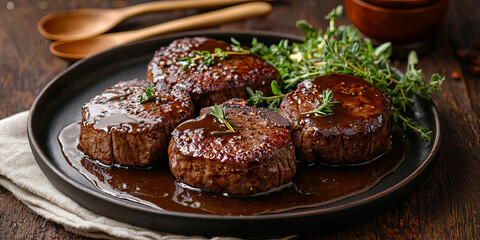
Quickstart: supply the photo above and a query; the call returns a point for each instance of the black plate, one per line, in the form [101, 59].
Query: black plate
[60, 102]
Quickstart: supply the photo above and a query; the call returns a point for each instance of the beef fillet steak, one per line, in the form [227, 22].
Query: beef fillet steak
[358, 129]
[117, 128]
[223, 80]
[259, 156]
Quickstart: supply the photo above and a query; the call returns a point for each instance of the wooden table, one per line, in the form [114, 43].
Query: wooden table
[446, 205]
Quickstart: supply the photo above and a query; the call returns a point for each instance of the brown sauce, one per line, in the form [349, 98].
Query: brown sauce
[162, 64]
[206, 124]
[313, 185]
[358, 100]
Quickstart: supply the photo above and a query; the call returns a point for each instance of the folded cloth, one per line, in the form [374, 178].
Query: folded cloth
[20, 174]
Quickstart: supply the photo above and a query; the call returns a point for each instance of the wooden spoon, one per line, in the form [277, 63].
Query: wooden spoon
[87, 23]
[77, 49]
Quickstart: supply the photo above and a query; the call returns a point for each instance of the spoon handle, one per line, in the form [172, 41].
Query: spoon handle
[162, 6]
[224, 15]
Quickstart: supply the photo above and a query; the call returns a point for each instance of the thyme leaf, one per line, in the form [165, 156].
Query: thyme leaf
[205, 59]
[220, 114]
[326, 104]
[150, 96]
[257, 98]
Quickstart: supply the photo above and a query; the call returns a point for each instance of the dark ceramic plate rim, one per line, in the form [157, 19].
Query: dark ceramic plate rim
[222, 224]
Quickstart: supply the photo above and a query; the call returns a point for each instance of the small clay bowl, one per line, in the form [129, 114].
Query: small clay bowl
[400, 3]
[397, 24]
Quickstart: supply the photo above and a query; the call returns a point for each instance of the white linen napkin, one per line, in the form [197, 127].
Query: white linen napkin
[20, 174]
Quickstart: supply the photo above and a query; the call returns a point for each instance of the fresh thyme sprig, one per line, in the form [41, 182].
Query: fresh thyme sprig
[150, 96]
[220, 114]
[340, 50]
[257, 98]
[206, 59]
[326, 104]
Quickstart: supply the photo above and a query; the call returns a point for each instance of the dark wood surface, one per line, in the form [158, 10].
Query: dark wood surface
[445, 206]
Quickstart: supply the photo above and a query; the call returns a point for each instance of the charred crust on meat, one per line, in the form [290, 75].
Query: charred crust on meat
[258, 157]
[224, 80]
[358, 129]
[117, 129]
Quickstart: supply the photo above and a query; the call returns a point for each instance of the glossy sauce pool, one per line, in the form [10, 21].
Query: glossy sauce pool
[313, 185]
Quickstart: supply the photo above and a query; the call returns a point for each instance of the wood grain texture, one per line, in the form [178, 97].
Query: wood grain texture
[445, 206]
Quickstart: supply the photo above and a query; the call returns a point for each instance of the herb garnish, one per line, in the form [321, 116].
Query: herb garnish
[220, 114]
[340, 50]
[150, 96]
[205, 58]
[326, 104]
[257, 98]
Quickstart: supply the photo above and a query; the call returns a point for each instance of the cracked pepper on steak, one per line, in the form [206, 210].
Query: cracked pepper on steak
[258, 157]
[117, 128]
[358, 129]
[224, 80]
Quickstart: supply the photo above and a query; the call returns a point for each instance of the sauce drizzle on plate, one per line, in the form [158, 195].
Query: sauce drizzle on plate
[313, 185]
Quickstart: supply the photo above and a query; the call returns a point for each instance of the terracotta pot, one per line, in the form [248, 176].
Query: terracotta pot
[400, 3]
[397, 25]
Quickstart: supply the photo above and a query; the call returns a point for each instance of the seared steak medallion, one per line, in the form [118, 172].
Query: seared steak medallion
[259, 156]
[223, 80]
[117, 128]
[358, 129]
